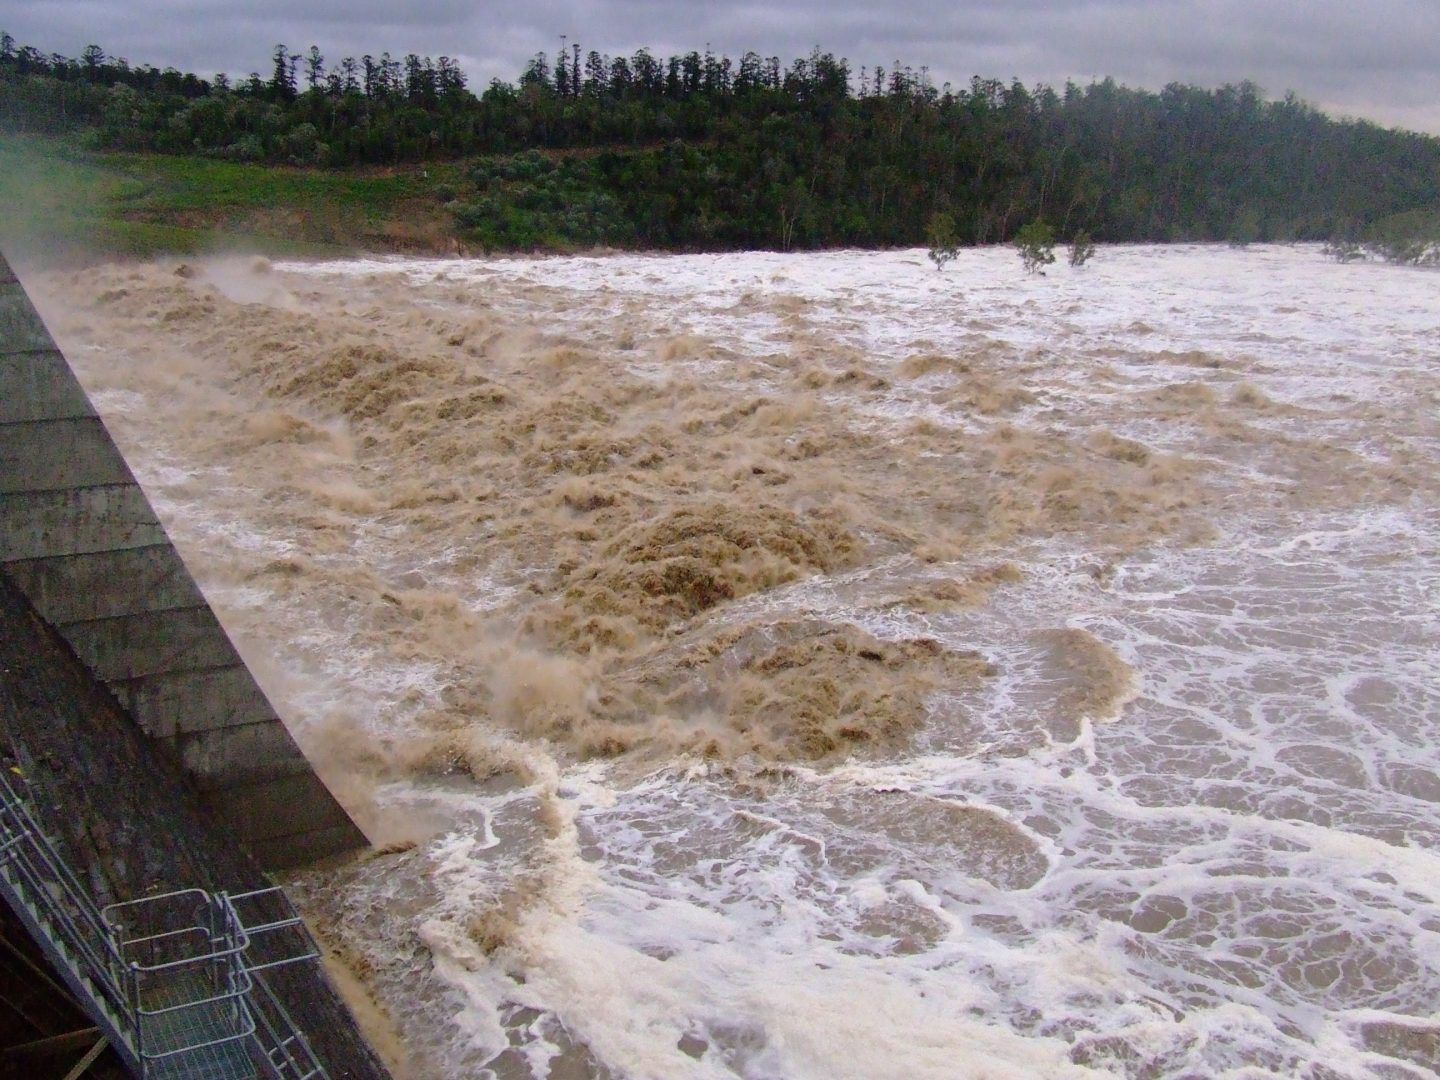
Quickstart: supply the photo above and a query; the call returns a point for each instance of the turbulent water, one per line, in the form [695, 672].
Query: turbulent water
[821, 666]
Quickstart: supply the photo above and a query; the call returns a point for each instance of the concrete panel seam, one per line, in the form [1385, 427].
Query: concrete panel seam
[59, 454]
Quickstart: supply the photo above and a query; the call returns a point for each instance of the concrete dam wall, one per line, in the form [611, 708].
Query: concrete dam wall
[80, 540]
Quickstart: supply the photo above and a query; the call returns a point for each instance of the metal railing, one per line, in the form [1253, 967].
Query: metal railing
[173, 980]
[59, 915]
[184, 979]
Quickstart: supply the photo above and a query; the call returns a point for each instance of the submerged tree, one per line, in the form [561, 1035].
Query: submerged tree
[943, 239]
[1410, 239]
[1081, 248]
[1036, 243]
[1343, 250]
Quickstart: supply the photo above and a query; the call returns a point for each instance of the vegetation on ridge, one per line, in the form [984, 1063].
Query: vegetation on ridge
[699, 152]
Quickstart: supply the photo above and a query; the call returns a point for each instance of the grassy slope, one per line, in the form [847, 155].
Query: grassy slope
[63, 203]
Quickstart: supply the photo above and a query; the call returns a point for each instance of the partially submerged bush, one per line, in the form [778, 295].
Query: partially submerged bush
[1344, 251]
[1408, 239]
[944, 243]
[1036, 243]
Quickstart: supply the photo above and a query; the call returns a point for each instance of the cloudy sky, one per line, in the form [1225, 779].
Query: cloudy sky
[1370, 58]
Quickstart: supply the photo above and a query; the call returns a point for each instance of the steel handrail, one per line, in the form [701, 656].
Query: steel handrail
[53, 906]
[35, 864]
[304, 1064]
[214, 954]
[257, 931]
[229, 995]
[12, 803]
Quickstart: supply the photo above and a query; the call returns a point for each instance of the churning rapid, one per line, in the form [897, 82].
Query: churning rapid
[787, 666]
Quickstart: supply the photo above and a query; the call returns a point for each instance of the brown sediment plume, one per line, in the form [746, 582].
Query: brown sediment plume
[1084, 679]
[381, 919]
[989, 395]
[808, 692]
[983, 381]
[775, 691]
[536, 523]
[1193, 395]
[1120, 449]
[537, 517]
[947, 594]
[1249, 396]
[691, 558]
[348, 972]
[682, 347]
[922, 364]
[973, 840]
[1198, 358]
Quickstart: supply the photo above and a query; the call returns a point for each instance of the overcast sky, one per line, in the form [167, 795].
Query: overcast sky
[1371, 58]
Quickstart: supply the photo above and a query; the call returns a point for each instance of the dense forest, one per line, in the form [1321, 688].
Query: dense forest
[699, 152]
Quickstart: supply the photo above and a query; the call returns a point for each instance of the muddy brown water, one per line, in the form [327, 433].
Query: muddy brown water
[1038, 673]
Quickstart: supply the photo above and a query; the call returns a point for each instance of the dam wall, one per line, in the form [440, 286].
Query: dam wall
[80, 540]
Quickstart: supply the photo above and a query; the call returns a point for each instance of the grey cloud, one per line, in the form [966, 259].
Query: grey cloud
[1375, 59]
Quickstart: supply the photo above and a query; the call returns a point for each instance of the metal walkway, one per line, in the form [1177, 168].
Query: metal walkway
[173, 981]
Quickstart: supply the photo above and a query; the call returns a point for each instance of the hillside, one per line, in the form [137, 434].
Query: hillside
[689, 153]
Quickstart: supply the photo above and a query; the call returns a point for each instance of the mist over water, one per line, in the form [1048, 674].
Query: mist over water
[814, 665]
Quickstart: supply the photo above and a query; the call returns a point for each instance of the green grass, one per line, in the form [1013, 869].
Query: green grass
[63, 202]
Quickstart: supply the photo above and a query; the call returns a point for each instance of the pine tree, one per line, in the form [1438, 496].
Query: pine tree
[314, 67]
[282, 79]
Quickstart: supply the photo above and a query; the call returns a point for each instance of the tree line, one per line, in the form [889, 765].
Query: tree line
[697, 151]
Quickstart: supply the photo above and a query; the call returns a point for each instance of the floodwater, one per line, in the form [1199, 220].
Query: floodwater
[820, 666]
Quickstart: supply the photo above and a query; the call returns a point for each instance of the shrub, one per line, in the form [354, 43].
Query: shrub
[1409, 239]
[1081, 248]
[1343, 251]
[1245, 229]
[1036, 243]
[944, 244]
